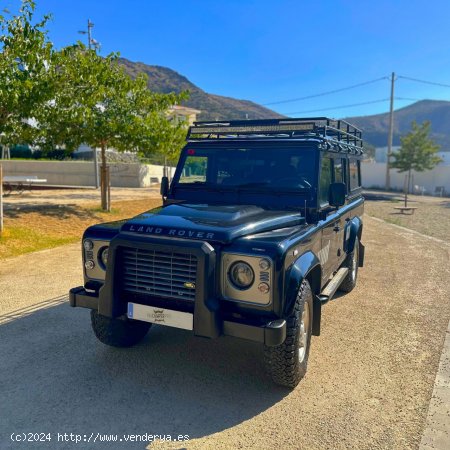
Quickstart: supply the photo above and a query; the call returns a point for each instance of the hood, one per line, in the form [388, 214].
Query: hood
[210, 222]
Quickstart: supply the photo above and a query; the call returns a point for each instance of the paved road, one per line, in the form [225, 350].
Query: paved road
[369, 383]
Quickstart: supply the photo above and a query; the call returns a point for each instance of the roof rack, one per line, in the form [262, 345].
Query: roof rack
[338, 134]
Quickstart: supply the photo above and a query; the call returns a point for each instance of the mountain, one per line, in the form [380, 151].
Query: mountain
[213, 107]
[216, 107]
[375, 128]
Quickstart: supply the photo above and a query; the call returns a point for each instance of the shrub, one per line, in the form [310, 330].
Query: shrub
[20, 151]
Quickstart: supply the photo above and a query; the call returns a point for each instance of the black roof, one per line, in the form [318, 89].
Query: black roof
[336, 135]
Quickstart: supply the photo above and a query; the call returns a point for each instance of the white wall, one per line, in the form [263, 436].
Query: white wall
[81, 173]
[374, 175]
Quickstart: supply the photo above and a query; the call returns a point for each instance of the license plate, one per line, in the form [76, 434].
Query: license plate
[161, 316]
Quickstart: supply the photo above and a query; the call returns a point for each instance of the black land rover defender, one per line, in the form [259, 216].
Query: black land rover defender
[259, 228]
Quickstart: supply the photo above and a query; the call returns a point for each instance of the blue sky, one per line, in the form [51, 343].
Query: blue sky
[267, 51]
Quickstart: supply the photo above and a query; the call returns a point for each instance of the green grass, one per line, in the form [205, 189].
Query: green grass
[18, 240]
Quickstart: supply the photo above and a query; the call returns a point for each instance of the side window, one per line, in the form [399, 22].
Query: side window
[339, 170]
[325, 180]
[194, 170]
[355, 179]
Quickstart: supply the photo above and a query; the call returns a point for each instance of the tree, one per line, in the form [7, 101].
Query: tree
[25, 75]
[166, 138]
[97, 103]
[74, 96]
[417, 152]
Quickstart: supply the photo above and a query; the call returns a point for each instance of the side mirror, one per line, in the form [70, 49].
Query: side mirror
[337, 194]
[164, 186]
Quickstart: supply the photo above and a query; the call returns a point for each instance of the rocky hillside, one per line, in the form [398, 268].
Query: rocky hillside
[213, 107]
[375, 128]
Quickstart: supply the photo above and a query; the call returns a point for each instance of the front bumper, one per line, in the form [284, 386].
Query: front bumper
[271, 334]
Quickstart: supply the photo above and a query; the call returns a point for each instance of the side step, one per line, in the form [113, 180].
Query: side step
[331, 288]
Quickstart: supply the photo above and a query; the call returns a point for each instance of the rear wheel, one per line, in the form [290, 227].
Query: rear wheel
[352, 263]
[118, 332]
[287, 363]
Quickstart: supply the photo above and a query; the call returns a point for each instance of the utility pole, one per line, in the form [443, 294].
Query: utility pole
[89, 33]
[91, 41]
[391, 133]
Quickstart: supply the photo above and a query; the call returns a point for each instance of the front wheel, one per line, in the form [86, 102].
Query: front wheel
[118, 332]
[287, 363]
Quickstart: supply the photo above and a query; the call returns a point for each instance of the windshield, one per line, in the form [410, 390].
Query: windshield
[271, 168]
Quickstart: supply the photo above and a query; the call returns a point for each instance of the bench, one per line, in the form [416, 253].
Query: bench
[404, 209]
[21, 183]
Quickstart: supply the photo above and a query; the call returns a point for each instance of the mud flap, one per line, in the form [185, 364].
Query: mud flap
[317, 314]
[361, 255]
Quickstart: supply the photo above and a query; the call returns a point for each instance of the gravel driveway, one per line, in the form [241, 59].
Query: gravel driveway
[369, 382]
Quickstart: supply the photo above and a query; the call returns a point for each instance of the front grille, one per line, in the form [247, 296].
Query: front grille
[159, 274]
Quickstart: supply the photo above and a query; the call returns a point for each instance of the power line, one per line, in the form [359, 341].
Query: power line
[337, 107]
[325, 93]
[424, 81]
[352, 105]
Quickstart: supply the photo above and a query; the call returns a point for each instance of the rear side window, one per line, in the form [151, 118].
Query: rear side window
[354, 174]
[339, 171]
[325, 180]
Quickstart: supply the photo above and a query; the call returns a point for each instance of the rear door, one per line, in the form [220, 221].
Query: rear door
[331, 253]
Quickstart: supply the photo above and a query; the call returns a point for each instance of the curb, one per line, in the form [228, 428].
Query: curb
[436, 435]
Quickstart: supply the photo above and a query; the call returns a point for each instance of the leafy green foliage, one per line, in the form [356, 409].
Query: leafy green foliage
[75, 96]
[418, 151]
[97, 103]
[166, 138]
[25, 78]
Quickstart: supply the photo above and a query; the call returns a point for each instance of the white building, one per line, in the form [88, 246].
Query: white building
[381, 155]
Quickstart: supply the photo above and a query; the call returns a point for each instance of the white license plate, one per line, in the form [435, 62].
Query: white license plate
[161, 316]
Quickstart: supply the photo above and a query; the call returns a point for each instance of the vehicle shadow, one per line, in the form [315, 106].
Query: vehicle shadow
[50, 210]
[57, 378]
[381, 196]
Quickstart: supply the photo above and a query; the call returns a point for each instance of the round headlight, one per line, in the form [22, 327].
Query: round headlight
[88, 245]
[241, 275]
[103, 256]
[264, 264]
[89, 264]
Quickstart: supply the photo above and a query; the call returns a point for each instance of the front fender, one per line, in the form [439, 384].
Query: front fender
[304, 265]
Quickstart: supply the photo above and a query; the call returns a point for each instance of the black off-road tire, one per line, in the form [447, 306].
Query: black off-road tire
[283, 362]
[352, 263]
[118, 332]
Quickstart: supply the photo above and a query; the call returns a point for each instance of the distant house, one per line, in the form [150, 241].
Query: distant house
[184, 113]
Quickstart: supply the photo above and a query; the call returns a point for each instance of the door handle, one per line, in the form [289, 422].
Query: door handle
[337, 228]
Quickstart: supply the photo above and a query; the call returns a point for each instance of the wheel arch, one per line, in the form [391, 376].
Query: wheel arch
[355, 228]
[306, 267]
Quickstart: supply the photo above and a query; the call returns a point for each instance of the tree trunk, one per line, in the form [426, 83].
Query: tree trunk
[104, 180]
[407, 188]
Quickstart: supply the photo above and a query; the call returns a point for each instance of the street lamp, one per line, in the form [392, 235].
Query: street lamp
[91, 41]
